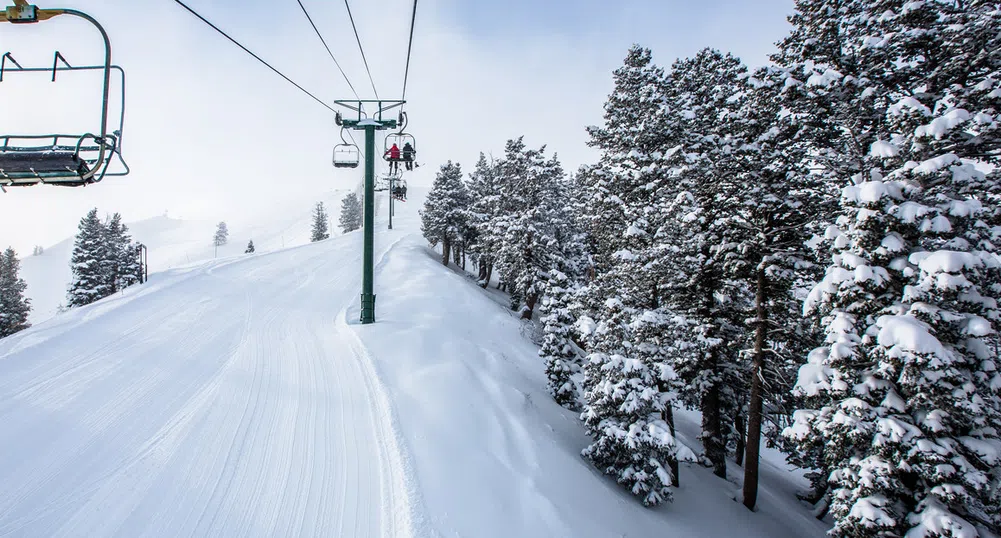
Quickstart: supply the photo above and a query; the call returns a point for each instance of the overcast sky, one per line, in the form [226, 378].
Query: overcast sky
[212, 134]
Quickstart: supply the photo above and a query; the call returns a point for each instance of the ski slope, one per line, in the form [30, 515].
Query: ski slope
[238, 397]
[176, 242]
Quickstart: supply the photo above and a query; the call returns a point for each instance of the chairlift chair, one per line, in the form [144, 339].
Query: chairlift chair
[346, 154]
[399, 139]
[61, 159]
[400, 190]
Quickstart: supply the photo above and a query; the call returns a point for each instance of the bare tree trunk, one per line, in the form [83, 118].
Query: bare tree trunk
[490, 274]
[481, 274]
[755, 403]
[673, 463]
[463, 259]
[530, 305]
[738, 424]
[457, 254]
[445, 251]
[712, 431]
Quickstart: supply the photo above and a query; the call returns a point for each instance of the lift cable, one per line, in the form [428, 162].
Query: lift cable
[406, 72]
[258, 58]
[360, 48]
[310, 19]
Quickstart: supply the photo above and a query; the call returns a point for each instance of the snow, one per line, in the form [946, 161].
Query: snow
[941, 126]
[909, 103]
[871, 191]
[935, 164]
[825, 79]
[175, 242]
[945, 261]
[935, 519]
[240, 397]
[884, 149]
[903, 334]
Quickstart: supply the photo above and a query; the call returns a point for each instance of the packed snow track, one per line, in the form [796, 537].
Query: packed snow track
[227, 399]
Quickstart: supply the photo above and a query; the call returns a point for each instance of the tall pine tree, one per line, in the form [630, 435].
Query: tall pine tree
[14, 306]
[445, 216]
[321, 224]
[88, 263]
[350, 219]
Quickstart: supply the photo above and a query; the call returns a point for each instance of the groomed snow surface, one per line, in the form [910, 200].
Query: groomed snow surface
[239, 397]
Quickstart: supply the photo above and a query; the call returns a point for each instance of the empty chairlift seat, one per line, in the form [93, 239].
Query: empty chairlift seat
[54, 167]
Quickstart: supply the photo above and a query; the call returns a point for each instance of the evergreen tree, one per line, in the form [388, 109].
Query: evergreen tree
[14, 306]
[221, 235]
[444, 215]
[534, 192]
[350, 213]
[630, 388]
[250, 247]
[122, 264]
[321, 220]
[901, 398]
[484, 192]
[90, 280]
[558, 349]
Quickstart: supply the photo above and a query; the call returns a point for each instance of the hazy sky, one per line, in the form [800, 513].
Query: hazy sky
[211, 134]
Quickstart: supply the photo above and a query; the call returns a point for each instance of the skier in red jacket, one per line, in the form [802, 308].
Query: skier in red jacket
[394, 158]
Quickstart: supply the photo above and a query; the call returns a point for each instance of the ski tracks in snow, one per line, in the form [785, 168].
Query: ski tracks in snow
[240, 403]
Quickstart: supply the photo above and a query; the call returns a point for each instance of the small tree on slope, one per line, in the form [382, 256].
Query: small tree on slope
[14, 306]
[90, 280]
[221, 236]
[321, 221]
[350, 219]
[444, 215]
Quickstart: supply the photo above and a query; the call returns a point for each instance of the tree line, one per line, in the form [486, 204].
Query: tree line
[805, 253]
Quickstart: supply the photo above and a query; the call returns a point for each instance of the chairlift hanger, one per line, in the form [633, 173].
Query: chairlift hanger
[60, 159]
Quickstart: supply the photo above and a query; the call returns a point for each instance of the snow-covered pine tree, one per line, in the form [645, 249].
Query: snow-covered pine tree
[570, 263]
[221, 236]
[630, 134]
[14, 306]
[121, 265]
[534, 207]
[558, 349]
[625, 410]
[321, 229]
[902, 397]
[629, 388]
[90, 281]
[114, 250]
[350, 219]
[772, 218]
[692, 225]
[250, 247]
[484, 196]
[444, 214]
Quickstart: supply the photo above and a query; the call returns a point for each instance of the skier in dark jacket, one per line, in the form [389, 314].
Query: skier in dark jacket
[408, 155]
